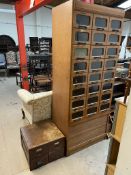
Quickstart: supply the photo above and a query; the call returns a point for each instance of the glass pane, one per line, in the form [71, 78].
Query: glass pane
[113, 38]
[81, 52]
[96, 65]
[100, 22]
[82, 20]
[104, 106]
[82, 36]
[79, 79]
[92, 110]
[77, 92]
[110, 64]
[80, 66]
[106, 96]
[107, 86]
[93, 100]
[77, 115]
[95, 77]
[112, 51]
[98, 51]
[76, 104]
[115, 24]
[108, 75]
[99, 37]
[94, 88]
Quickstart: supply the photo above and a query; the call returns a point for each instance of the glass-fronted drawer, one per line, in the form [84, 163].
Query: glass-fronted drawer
[97, 52]
[112, 52]
[96, 65]
[79, 79]
[77, 115]
[95, 77]
[105, 106]
[94, 88]
[99, 38]
[78, 91]
[116, 24]
[77, 103]
[100, 22]
[81, 52]
[81, 36]
[92, 110]
[108, 75]
[80, 66]
[110, 64]
[114, 38]
[83, 20]
[106, 96]
[107, 85]
[93, 99]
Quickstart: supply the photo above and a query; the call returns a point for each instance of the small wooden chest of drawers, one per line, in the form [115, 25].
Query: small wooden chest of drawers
[42, 143]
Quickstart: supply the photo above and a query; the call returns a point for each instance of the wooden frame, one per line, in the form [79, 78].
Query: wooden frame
[97, 68]
[110, 78]
[112, 42]
[94, 85]
[112, 55]
[77, 100]
[81, 47]
[97, 56]
[94, 81]
[76, 88]
[116, 29]
[94, 32]
[88, 32]
[101, 17]
[80, 70]
[109, 61]
[84, 14]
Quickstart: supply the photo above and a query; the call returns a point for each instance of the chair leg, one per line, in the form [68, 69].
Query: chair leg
[23, 114]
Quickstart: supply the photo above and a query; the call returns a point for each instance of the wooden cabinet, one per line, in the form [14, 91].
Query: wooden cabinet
[42, 143]
[116, 133]
[83, 70]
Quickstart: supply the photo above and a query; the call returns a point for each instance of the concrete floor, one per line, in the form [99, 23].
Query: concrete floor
[90, 161]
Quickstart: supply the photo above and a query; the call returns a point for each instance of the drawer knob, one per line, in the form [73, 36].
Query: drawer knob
[39, 150]
[57, 143]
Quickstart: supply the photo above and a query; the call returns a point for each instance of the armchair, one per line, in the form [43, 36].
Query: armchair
[36, 107]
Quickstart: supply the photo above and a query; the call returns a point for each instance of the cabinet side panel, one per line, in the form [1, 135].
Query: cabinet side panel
[62, 37]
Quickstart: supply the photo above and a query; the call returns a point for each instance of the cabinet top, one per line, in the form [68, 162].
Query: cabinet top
[40, 133]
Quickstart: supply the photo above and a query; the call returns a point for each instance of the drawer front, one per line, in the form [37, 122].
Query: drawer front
[96, 65]
[114, 38]
[116, 24]
[38, 162]
[92, 110]
[105, 106]
[77, 115]
[95, 77]
[81, 36]
[93, 99]
[100, 22]
[77, 103]
[57, 150]
[106, 96]
[108, 75]
[37, 152]
[112, 52]
[97, 52]
[81, 52]
[80, 66]
[107, 86]
[82, 20]
[99, 38]
[110, 64]
[94, 89]
[78, 91]
[79, 80]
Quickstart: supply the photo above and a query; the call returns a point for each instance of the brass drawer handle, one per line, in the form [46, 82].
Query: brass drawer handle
[39, 150]
[57, 143]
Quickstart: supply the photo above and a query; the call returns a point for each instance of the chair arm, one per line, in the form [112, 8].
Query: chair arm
[41, 95]
[25, 96]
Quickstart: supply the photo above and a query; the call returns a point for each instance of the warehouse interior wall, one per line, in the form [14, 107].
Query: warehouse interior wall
[38, 23]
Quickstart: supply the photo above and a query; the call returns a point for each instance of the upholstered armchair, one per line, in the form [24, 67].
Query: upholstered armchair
[36, 107]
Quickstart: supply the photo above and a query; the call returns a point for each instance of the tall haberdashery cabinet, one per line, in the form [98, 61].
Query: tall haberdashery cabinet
[86, 39]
